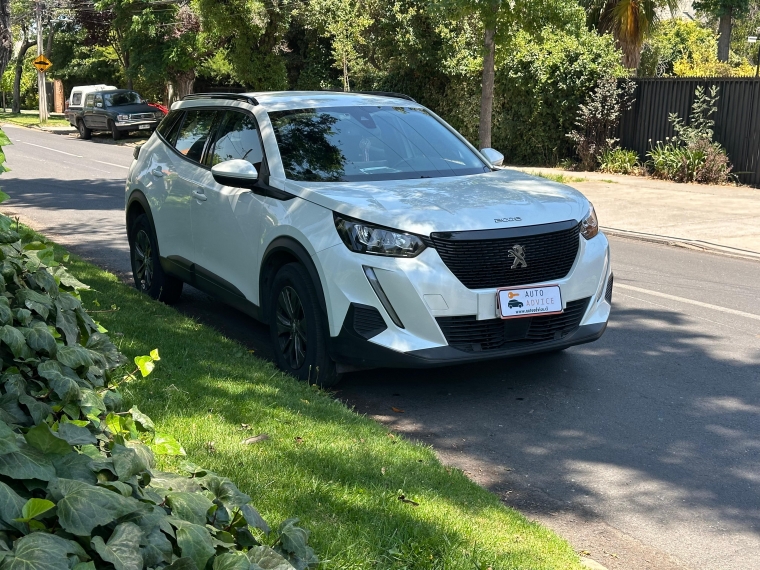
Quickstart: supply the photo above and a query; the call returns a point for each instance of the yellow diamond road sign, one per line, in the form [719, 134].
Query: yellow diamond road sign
[42, 63]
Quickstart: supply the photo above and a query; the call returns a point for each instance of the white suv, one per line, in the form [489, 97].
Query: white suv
[365, 231]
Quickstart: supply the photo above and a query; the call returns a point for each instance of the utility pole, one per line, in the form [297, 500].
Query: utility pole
[41, 74]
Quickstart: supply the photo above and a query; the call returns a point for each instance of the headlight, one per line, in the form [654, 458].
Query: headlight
[158, 115]
[122, 117]
[589, 224]
[362, 237]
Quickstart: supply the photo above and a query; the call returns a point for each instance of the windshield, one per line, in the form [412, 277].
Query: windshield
[343, 144]
[123, 98]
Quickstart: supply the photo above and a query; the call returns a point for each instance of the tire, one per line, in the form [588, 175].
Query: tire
[115, 133]
[84, 132]
[298, 327]
[146, 266]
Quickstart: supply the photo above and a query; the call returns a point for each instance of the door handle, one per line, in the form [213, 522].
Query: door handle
[157, 171]
[200, 195]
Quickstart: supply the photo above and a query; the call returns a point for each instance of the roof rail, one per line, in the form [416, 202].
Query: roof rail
[378, 93]
[386, 94]
[228, 96]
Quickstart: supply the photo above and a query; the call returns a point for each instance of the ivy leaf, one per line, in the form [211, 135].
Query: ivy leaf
[194, 542]
[268, 559]
[127, 462]
[66, 322]
[14, 339]
[192, 507]
[11, 505]
[294, 540]
[123, 548]
[41, 551]
[232, 561]
[76, 435]
[65, 387]
[34, 508]
[8, 440]
[164, 444]
[27, 463]
[74, 357]
[142, 420]
[83, 506]
[40, 340]
[38, 410]
[184, 563]
[253, 518]
[75, 466]
[144, 364]
[157, 550]
[6, 316]
[101, 344]
[46, 441]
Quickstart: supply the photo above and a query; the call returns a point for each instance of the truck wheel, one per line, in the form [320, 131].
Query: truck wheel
[84, 132]
[115, 133]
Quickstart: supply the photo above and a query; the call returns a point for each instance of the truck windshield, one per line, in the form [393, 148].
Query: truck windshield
[123, 98]
[366, 143]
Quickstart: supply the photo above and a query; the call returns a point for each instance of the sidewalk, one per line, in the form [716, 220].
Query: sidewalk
[721, 218]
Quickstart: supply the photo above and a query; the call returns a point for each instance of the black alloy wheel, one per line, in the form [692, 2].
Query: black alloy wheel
[147, 272]
[291, 328]
[143, 260]
[298, 327]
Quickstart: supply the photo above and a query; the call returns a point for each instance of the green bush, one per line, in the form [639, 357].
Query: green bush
[619, 161]
[692, 155]
[78, 487]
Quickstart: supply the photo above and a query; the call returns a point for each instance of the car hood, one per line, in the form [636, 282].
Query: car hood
[505, 198]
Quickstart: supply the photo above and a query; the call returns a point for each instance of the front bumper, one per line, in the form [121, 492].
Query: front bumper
[136, 125]
[423, 289]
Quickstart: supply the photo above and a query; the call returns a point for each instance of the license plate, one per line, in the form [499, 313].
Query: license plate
[529, 301]
[144, 127]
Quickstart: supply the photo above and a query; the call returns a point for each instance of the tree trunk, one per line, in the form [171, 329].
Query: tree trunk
[184, 83]
[724, 38]
[486, 95]
[6, 41]
[16, 108]
[51, 37]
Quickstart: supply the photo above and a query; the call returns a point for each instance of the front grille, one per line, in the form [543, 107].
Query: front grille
[608, 292]
[468, 334]
[485, 263]
[140, 116]
[368, 321]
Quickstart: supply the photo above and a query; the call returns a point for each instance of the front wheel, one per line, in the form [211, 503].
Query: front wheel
[298, 327]
[115, 133]
[148, 274]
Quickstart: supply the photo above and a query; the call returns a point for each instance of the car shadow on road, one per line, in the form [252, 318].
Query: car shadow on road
[650, 417]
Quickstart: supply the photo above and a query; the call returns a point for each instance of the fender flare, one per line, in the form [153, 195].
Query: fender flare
[292, 247]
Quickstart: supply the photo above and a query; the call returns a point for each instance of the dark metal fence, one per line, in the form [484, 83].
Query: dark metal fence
[737, 122]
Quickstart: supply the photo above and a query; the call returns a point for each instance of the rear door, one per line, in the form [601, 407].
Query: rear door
[226, 221]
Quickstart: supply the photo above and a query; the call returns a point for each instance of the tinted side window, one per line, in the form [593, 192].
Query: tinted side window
[76, 98]
[237, 137]
[168, 124]
[193, 133]
[89, 100]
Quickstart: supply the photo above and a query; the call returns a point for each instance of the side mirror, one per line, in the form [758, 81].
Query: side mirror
[99, 105]
[493, 156]
[236, 173]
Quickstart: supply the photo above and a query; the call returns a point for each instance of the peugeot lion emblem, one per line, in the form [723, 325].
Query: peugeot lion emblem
[518, 253]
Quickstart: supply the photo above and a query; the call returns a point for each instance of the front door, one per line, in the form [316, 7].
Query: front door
[226, 225]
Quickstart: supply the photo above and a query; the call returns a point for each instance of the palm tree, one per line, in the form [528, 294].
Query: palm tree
[629, 21]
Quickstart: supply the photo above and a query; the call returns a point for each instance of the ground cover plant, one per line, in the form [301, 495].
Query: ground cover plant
[619, 161]
[692, 155]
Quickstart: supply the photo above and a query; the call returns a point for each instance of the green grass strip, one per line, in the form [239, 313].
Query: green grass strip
[339, 472]
[27, 119]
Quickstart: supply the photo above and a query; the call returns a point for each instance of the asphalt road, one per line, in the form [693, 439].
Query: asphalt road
[642, 449]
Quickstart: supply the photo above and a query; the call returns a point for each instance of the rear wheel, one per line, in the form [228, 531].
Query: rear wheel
[84, 132]
[298, 327]
[115, 133]
[146, 266]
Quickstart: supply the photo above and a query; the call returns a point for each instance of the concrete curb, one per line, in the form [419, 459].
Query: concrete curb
[684, 242]
[592, 564]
